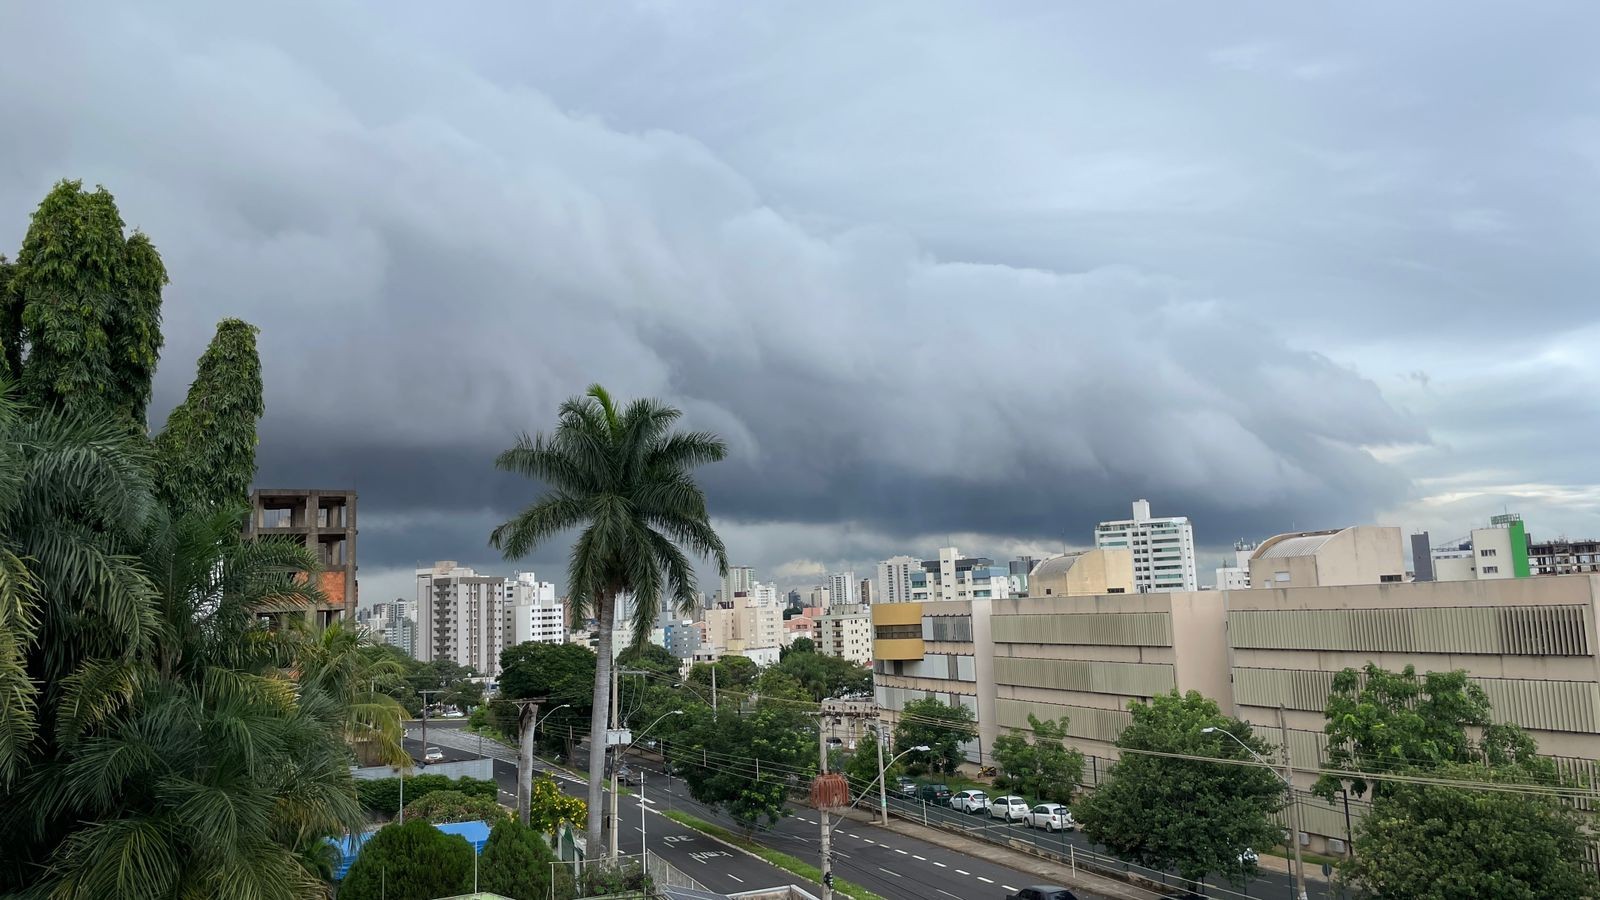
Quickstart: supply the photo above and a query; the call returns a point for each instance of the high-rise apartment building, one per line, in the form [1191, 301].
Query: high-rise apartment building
[846, 632]
[533, 611]
[461, 616]
[1163, 549]
[739, 583]
[401, 630]
[325, 521]
[956, 577]
[764, 593]
[843, 589]
[866, 591]
[894, 579]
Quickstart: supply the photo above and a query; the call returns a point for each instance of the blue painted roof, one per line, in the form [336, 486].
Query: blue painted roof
[349, 846]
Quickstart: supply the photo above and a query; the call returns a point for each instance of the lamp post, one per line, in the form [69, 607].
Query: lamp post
[616, 767]
[535, 732]
[882, 780]
[1294, 808]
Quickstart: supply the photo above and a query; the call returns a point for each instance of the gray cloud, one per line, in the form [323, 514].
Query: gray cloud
[930, 270]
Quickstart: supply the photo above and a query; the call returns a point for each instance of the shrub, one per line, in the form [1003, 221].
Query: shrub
[440, 807]
[382, 796]
[410, 861]
[516, 864]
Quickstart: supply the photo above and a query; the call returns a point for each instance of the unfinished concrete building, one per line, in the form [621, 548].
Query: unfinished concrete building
[326, 521]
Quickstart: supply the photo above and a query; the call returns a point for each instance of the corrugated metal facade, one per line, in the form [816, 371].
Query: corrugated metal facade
[1129, 679]
[1083, 722]
[1536, 704]
[947, 628]
[1513, 630]
[1135, 629]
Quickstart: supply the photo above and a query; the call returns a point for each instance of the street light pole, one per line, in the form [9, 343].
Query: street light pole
[1287, 777]
[616, 768]
[883, 776]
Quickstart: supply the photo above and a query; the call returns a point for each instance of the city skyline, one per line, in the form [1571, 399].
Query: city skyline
[1259, 318]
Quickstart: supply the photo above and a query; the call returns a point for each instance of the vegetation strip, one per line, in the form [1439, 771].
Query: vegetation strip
[782, 860]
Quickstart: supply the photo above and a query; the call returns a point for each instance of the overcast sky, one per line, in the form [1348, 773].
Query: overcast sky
[979, 272]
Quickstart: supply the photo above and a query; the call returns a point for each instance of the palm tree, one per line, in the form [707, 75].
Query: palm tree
[623, 477]
[344, 663]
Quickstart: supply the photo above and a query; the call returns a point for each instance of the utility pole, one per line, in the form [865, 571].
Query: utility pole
[883, 776]
[1294, 810]
[527, 730]
[713, 688]
[822, 813]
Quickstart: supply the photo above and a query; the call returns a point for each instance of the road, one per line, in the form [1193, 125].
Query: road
[882, 861]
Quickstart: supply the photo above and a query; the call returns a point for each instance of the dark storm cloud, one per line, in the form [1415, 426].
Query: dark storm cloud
[986, 279]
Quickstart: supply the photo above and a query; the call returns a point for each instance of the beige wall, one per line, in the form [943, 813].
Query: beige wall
[1362, 554]
[1105, 570]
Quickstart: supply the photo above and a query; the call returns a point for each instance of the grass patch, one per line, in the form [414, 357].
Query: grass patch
[784, 861]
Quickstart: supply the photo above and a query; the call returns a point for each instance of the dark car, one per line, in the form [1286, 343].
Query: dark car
[1043, 892]
[934, 793]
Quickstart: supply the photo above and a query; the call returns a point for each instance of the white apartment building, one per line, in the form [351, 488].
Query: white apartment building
[894, 579]
[846, 632]
[738, 584]
[460, 617]
[1237, 576]
[843, 589]
[1163, 549]
[955, 577]
[764, 593]
[533, 611]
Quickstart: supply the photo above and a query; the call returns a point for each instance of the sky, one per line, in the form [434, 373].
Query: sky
[979, 273]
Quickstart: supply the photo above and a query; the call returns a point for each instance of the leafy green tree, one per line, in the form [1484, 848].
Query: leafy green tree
[90, 302]
[516, 862]
[1442, 840]
[562, 673]
[719, 760]
[798, 645]
[937, 725]
[440, 807]
[10, 324]
[206, 453]
[381, 796]
[652, 658]
[624, 478]
[409, 861]
[1191, 815]
[549, 807]
[1044, 768]
[826, 676]
[342, 663]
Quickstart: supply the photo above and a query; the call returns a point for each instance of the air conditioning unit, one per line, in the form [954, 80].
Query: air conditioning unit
[1336, 846]
[1305, 839]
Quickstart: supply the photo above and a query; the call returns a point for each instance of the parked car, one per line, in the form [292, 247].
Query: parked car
[1043, 892]
[1012, 808]
[1248, 857]
[934, 793]
[970, 801]
[907, 786]
[1050, 817]
[433, 755]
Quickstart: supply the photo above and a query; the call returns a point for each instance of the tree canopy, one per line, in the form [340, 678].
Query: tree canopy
[516, 863]
[409, 861]
[1043, 768]
[440, 807]
[1195, 816]
[206, 453]
[937, 725]
[1446, 839]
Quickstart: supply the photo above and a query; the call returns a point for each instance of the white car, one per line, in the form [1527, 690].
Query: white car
[1050, 817]
[433, 755]
[1248, 857]
[970, 801]
[1012, 809]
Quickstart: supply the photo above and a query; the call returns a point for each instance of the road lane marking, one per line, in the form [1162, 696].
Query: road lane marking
[737, 878]
[895, 874]
[923, 858]
[1009, 887]
[899, 851]
[940, 864]
[962, 872]
[947, 893]
[985, 880]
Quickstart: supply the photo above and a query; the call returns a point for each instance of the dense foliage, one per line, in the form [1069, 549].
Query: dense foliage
[549, 808]
[1043, 768]
[516, 863]
[157, 739]
[1446, 839]
[623, 478]
[409, 861]
[937, 725]
[381, 796]
[89, 300]
[746, 765]
[206, 453]
[440, 807]
[1193, 816]
[561, 673]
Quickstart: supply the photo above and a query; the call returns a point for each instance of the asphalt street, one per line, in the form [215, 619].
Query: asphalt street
[884, 862]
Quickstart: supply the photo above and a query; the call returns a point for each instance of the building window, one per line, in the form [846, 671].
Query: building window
[1389, 579]
[1491, 570]
[1487, 551]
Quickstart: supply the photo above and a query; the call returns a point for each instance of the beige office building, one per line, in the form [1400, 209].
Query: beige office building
[1104, 570]
[1529, 642]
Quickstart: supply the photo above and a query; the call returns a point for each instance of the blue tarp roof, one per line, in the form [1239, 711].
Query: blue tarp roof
[349, 846]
